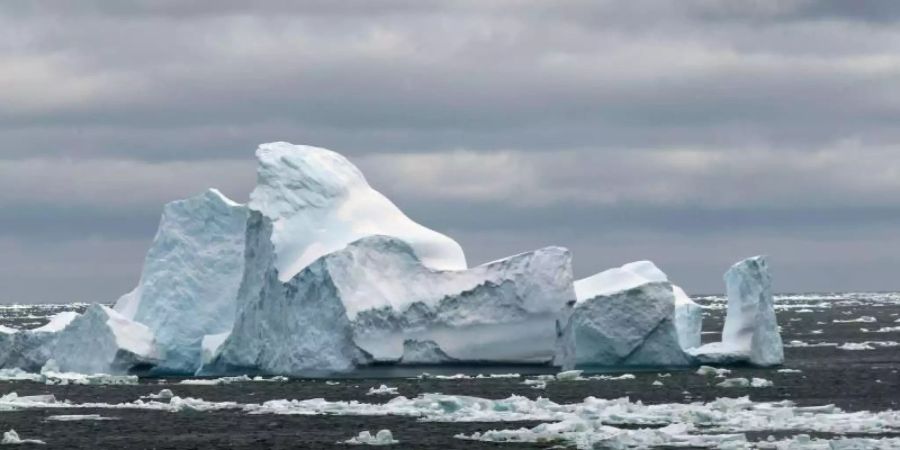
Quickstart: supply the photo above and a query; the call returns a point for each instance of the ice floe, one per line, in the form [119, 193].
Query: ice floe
[383, 437]
[382, 390]
[12, 438]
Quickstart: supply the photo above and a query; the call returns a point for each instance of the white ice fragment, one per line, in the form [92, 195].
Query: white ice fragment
[657, 383]
[734, 383]
[12, 438]
[78, 418]
[790, 371]
[164, 394]
[383, 437]
[712, 371]
[868, 345]
[382, 390]
[761, 383]
[863, 319]
[569, 375]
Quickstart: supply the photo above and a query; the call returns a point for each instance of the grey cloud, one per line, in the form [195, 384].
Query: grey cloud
[690, 132]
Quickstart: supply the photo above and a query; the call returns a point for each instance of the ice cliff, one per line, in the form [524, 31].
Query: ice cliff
[190, 277]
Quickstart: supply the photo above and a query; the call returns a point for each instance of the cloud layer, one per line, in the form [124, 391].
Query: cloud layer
[692, 132]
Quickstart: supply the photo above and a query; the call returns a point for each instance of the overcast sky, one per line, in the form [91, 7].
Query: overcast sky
[690, 132]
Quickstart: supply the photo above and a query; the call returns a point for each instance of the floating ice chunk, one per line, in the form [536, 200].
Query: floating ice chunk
[761, 383]
[623, 377]
[164, 394]
[382, 390]
[802, 344]
[712, 371]
[790, 371]
[190, 277]
[863, 319]
[734, 383]
[103, 341]
[569, 375]
[78, 418]
[383, 437]
[11, 437]
[887, 330]
[751, 331]
[50, 374]
[868, 345]
[229, 380]
[657, 383]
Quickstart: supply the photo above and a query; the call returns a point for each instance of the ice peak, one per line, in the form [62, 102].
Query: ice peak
[319, 202]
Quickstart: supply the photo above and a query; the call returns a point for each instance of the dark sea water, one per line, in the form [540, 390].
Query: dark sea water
[861, 379]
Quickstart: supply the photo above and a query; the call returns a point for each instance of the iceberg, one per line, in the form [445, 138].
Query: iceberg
[190, 277]
[103, 341]
[750, 333]
[633, 316]
[320, 273]
[366, 302]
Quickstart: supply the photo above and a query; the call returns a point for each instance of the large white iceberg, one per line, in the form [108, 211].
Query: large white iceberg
[190, 277]
[103, 341]
[364, 302]
[633, 316]
[320, 273]
[751, 330]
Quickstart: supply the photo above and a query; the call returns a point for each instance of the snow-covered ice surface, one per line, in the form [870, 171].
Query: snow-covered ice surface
[319, 202]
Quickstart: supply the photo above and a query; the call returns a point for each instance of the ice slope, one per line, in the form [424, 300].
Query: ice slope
[751, 331]
[364, 301]
[190, 277]
[631, 327]
[29, 350]
[319, 202]
[103, 341]
[688, 316]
